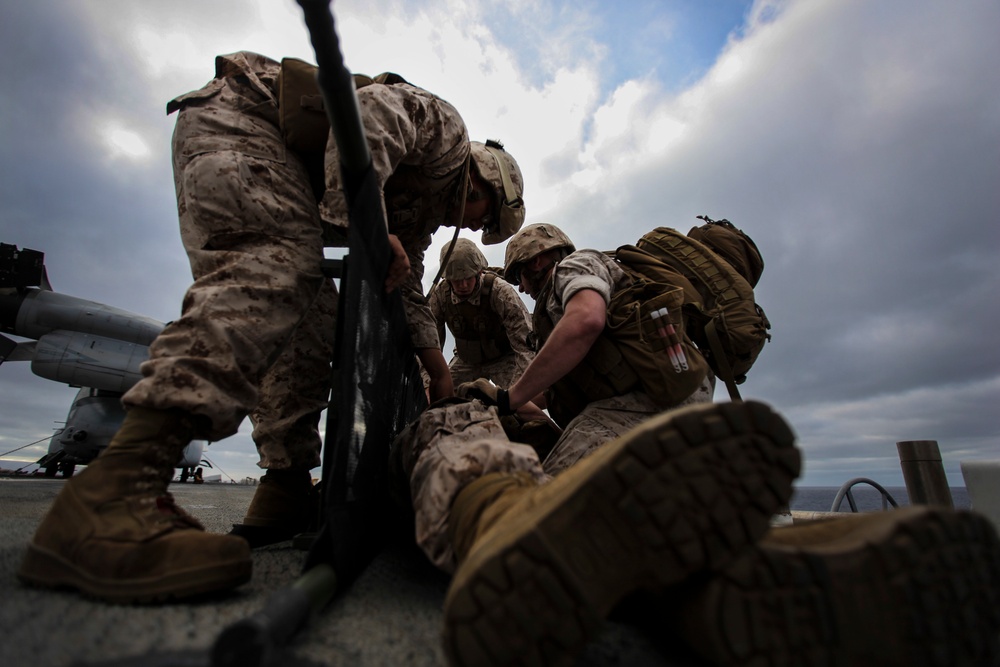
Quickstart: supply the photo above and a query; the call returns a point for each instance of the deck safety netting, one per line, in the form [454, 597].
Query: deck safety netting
[377, 391]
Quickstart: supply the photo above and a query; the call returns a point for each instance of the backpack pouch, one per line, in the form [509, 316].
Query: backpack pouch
[669, 366]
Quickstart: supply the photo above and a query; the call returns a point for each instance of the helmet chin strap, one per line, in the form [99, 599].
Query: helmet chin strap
[463, 186]
[541, 276]
[444, 262]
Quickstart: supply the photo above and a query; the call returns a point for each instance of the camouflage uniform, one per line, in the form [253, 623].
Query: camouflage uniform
[450, 446]
[254, 236]
[511, 336]
[419, 146]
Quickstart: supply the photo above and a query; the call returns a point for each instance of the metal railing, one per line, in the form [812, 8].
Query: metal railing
[847, 491]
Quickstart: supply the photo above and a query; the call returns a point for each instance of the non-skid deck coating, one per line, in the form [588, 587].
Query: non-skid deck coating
[391, 616]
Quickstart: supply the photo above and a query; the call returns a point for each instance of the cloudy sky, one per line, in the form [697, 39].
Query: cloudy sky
[857, 142]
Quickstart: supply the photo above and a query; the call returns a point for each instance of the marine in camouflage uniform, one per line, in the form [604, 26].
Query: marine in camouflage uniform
[487, 318]
[255, 333]
[678, 507]
[459, 443]
[527, 538]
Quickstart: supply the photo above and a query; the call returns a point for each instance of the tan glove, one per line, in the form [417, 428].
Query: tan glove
[488, 393]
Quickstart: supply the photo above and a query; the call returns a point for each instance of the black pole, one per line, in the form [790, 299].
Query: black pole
[258, 639]
[254, 641]
[337, 87]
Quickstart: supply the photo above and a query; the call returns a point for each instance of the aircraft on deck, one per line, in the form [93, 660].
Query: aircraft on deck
[84, 344]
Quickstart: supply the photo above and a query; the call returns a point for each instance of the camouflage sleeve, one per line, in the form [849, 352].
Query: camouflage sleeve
[516, 320]
[438, 293]
[404, 125]
[408, 125]
[423, 329]
[584, 269]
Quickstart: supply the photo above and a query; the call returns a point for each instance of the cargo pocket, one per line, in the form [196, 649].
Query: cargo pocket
[646, 321]
[228, 196]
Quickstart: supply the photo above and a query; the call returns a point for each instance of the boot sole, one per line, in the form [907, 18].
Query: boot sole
[46, 569]
[921, 589]
[684, 492]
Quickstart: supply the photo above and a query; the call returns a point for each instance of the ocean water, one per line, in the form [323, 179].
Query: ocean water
[820, 498]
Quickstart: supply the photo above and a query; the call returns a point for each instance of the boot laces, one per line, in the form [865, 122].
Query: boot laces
[167, 507]
[153, 481]
[152, 486]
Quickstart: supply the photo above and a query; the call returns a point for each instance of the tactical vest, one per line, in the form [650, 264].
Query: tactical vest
[413, 199]
[631, 352]
[603, 373]
[480, 334]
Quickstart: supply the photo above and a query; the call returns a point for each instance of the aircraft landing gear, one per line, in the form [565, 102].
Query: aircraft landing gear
[56, 463]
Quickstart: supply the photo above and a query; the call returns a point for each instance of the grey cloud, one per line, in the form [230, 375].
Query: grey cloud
[857, 145]
[866, 170]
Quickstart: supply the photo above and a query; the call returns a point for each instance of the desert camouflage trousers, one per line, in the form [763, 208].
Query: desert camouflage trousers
[503, 372]
[448, 447]
[256, 330]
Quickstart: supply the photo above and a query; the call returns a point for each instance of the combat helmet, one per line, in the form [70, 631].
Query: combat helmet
[530, 242]
[500, 170]
[466, 260]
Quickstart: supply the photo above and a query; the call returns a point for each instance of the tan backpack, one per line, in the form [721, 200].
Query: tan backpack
[723, 265]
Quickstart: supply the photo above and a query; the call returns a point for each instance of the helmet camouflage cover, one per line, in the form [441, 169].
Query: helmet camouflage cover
[496, 166]
[466, 260]
[530, 242]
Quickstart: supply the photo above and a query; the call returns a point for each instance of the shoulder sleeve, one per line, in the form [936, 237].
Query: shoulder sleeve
[404, 125]
[584, 269]
[407, 125]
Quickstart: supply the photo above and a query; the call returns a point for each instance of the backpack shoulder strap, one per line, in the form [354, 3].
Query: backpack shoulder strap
[488, 278]
[723, 369]
[389, 79]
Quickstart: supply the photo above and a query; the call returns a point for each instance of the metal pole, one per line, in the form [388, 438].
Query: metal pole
[336, 84]
[923, 472]
[257, 639]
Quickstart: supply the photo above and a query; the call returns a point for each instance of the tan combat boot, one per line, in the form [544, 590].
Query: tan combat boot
[285, 504]
[115, 533]
[541, 566]
[910, 587]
